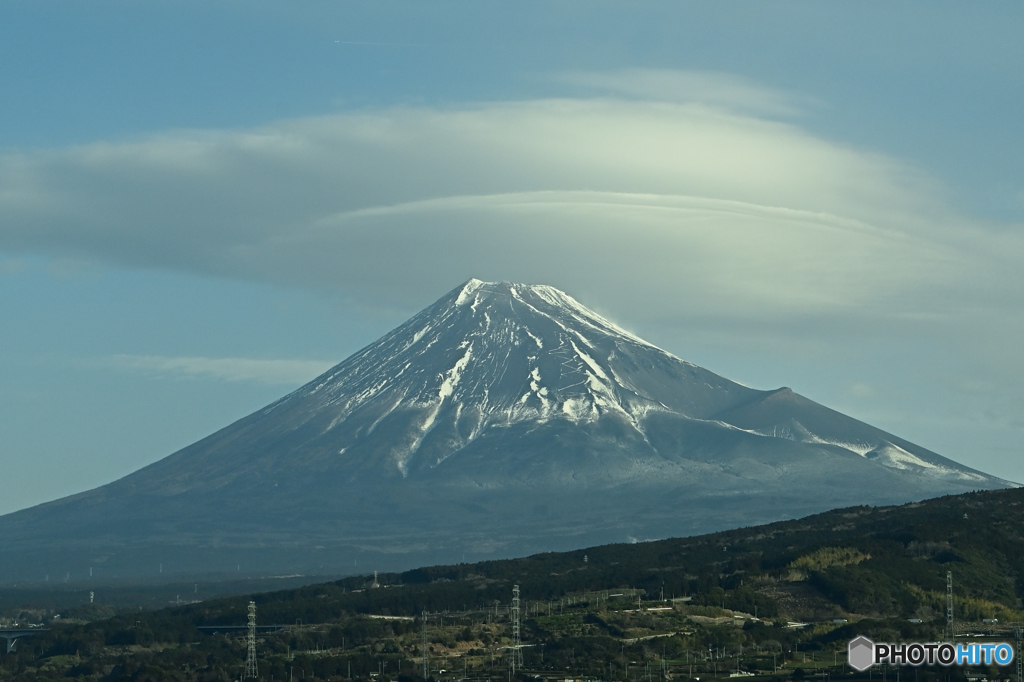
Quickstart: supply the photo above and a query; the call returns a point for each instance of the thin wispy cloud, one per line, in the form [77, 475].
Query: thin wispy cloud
[723, 90]
[378, 44]
[273, 372]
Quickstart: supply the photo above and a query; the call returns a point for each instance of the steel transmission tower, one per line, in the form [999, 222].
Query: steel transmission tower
[250, 661]
[950, 628]
[423, 641]
[517, 643]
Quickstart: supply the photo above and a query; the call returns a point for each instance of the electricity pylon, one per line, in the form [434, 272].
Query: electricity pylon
[250, 661]
[517, 643]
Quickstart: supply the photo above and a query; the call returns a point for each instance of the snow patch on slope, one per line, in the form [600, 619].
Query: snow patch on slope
[895, 457]
[467, 291]
[536, 339]
[541, 392]
[562, 300]
[455, 373]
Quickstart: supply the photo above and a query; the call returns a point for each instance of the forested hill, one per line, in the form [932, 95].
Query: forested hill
[862, 560]
[862, 569]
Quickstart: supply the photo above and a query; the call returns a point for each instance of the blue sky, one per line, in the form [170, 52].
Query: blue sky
[202, 205]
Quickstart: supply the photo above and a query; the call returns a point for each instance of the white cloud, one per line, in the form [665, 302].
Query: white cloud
[689, 205]
[274, 372]
[713, 89]
[707, 254]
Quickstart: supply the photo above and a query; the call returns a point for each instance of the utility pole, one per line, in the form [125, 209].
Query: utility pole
[950, 628]
[1019, 633]
[250, 660]
[423, 641]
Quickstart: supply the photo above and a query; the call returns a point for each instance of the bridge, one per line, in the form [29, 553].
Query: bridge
[12, 636]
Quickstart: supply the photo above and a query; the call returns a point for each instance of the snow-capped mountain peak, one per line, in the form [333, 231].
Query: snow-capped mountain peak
[500, 353]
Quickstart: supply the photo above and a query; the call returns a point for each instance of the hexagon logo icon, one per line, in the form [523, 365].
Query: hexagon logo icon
[861, 653]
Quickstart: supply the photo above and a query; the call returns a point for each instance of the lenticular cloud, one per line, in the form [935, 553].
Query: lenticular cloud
[596, 193]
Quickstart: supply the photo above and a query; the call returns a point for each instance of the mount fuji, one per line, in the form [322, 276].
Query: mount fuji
[502, 420]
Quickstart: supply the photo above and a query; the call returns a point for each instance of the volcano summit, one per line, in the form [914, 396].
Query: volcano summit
[502, 420]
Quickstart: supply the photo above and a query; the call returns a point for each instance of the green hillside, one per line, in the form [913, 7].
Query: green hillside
[681, 608]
